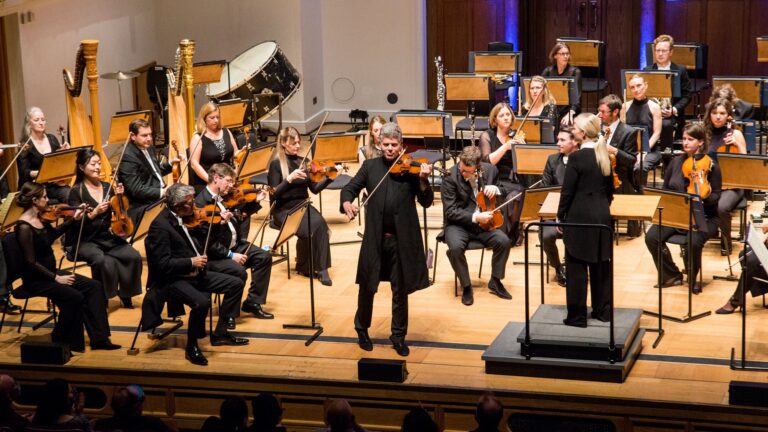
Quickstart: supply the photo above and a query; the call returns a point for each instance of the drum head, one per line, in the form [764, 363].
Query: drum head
[242, 68]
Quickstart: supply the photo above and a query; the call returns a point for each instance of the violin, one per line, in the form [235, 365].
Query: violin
[697, 173]
[408, 165]
[244, 193]
[240, 156]
[728, 148]
[616, 179]
[210, 213]
[55, 212]
[175, 166]
[121, 225]
[318, 171]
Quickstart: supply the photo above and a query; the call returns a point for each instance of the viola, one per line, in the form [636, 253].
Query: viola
[697, 173]
[244, 193]
[210, 214]
[616, 179]
[121, 225]
[489, 205]
[175, 166]
[57, 211]
[728, 148]
[408, 165]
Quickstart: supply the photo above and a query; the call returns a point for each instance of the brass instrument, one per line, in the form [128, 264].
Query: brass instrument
[82, 129]
[181, 110]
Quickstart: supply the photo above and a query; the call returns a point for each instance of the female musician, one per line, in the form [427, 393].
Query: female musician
[209, 145]
[80, 299]
[372, 148]
[113, 261]
[42, 143]
[560, 56]
[499, 149]
[586, 198]
[291, 188]
[741, 110]
[695, 144]
[642, 112]
[723, 138]
[754, 269]
[545, 105]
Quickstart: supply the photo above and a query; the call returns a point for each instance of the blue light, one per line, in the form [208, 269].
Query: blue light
[647, 27]
[511, 23]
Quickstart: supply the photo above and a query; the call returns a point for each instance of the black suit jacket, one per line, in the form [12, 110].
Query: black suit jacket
[459, 201]
[625, 141]
[142, 187]
[554, 171]
[169, 252]
[221, 236]
[685, 88]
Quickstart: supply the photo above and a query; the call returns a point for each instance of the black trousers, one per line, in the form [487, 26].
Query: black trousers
[512, 211]
[260, 263]
[321, 243]
[390, 266]
[457, 238]
[728, 201]
[577, 273]
[670, 269]
[81, 303]
[754, 269]
[194, 292]
[117, 266]
[548, 236]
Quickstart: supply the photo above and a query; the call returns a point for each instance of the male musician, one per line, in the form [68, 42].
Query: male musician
[463, 217]
[622, 143]
[227, 249]
[673, 113]
[554, 174]
[139, 170]
[392, 248]
[177, 263]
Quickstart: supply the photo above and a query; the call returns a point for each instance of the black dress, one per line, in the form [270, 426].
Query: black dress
[113, 261]
[287, 196]
[212, 152]
[31, 160]
[729, 198]
[569, 71]
[586, 198]
[507, 180]
[79, 303]
[639, 115]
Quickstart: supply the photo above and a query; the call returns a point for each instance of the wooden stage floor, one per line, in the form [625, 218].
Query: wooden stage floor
[689, 367]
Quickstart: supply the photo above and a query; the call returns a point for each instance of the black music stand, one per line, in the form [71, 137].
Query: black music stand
[287, 230]
[471, 88]
[501, 65]
[145, 220]
[681, 211]
[752, 244]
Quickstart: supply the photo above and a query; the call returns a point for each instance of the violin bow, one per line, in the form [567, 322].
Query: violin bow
[21, 150]
[314, 139]
[525, 118]
[402, 152]
[117, 168]
[263, 224]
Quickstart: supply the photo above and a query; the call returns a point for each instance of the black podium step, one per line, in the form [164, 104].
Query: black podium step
[551, 338]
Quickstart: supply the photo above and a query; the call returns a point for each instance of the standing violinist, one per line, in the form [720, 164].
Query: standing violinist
[42, 143]
[228, 252]
[463, 219]
[140, 171]
[113, 261]
[695, 145]
[725, 139]
[499, 149]
[292, 186]
[392, 248]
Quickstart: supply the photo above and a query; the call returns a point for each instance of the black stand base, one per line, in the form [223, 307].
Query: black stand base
[742, 364]
[316, 326]
[729, 277]
[684, 319]
[660, 332]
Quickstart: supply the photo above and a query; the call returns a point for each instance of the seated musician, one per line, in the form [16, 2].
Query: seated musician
[140, 172]
[41, 143]
[113, 261]
[725, 139]
[228, 252]
[80, 299]
[742, 110]
[751, 268]
[372, 142]
[177, 263]
[622, 144]
[560, 56]
[645, 113]
[695, 144]
[554, 175]
[463, 220]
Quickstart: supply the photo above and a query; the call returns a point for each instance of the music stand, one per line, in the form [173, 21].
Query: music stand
[255, 162]
[336, 146]
[145, 219]
[661, 84]
[532, 201]
[741, 171]
[208, 72]
[563, 89]
[118, 127]
[748, 88]
[59, 166]
[537, 130]
[531, 159]
[680, 211]
[762, 49]
[287, 230]
[495, 62]
[232, 112]
[10, 212]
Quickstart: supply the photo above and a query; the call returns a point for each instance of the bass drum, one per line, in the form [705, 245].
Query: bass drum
[261, 69]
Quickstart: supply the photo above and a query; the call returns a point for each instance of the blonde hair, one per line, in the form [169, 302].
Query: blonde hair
[287, 133]
[370, 147]
[495, 111]
[590, 125]
[27, 129]
[664, 38]
[546, 97]
[205, 110]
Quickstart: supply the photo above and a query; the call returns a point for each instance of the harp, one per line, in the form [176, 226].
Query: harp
[181, 112]
[82, 129]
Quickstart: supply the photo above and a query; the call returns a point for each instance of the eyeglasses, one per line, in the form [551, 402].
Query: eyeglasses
[661, 50]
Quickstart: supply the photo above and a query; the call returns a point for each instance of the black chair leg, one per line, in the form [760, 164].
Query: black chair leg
[23, 312]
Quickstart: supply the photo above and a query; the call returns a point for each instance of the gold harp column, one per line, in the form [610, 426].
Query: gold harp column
[89, 53]
[187, 52]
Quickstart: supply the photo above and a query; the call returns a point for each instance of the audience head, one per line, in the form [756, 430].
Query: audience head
[58, 399]
[267, 411]
[418, 420]
[9, 390]
[489, 412]
[338, 416]
[234, 413]
[128, 401]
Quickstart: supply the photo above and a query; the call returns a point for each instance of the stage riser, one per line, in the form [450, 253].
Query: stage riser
[561, 372]
[573, 352]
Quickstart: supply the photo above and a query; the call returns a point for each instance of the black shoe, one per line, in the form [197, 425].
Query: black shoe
[256, 310]
[696, 289]
[401, 348]
[467, 298]
[231, 325]
[324, 277]
[228, 339]
[106, 345]
[495, 286]
[560, 276]
[728, 309]
[126, 302]
[581, 324]
[9, 307]
[195, 356]
[364, 341]
[675, 280]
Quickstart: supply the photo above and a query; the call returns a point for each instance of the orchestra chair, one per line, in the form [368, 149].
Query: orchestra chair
[175, 311]
[12, 254]
[682, 241]
[472, 245]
